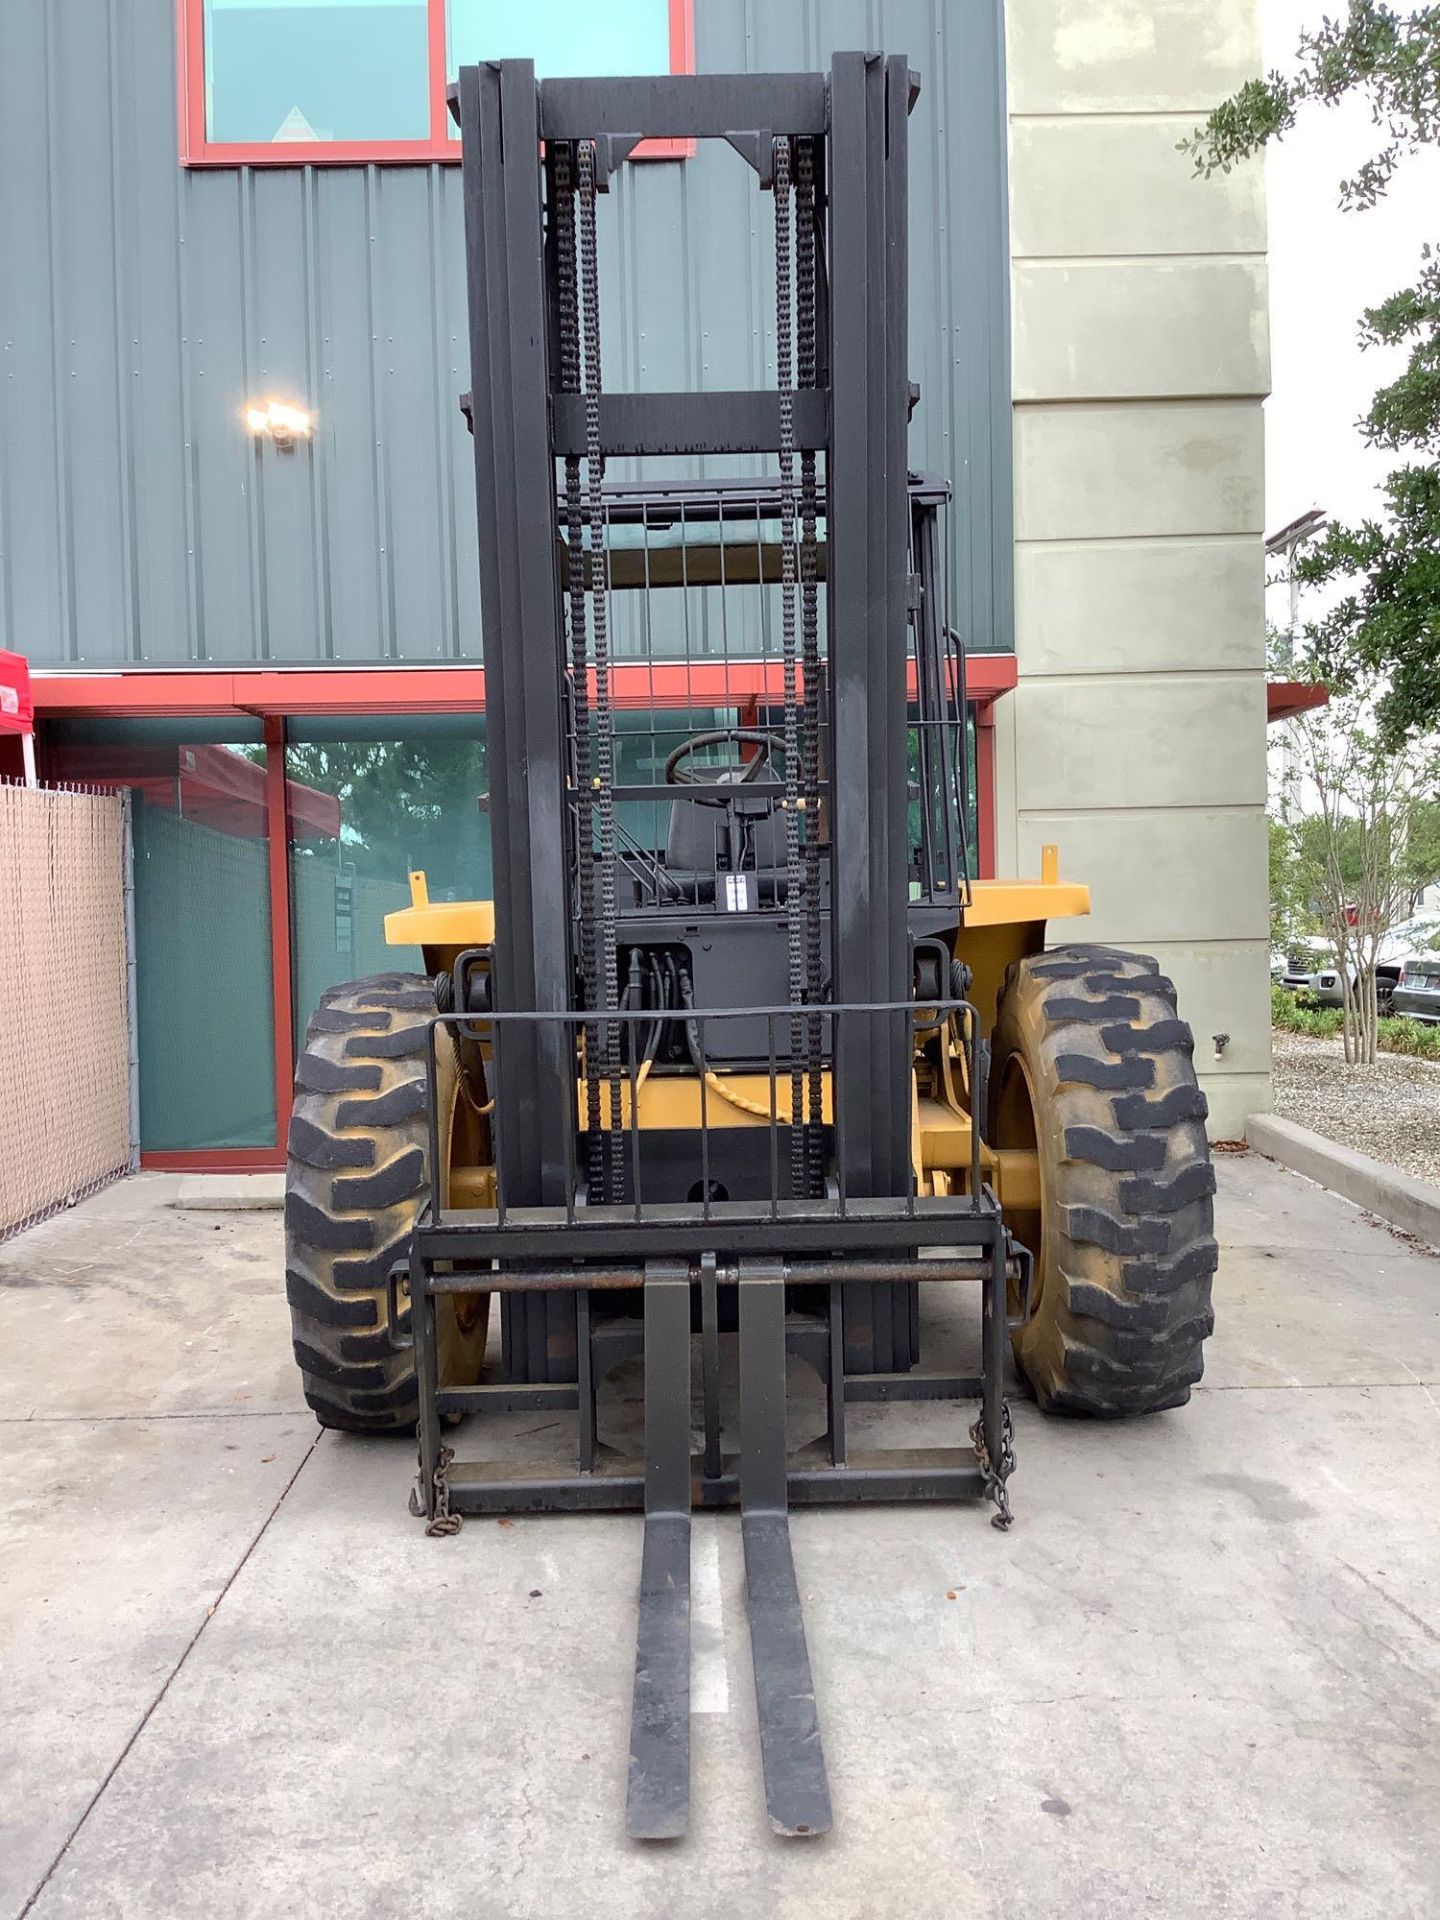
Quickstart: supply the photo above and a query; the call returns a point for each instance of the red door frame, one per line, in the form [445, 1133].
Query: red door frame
[985, 787]
[282, 993]
[274, 693]
[281, 950]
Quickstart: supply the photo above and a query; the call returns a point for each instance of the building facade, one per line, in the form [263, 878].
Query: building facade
[278, 651]
[1136, 735]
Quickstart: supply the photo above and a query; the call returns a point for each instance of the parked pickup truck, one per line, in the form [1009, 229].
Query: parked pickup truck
[1323, 989]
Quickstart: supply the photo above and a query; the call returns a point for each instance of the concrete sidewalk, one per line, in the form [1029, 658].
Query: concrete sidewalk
[1199, 1677]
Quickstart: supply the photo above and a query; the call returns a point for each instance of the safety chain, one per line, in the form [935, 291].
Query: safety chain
[579, 645]
[443, 1523]
[995, 1477]
[599, 586]
[810, 661]
[785, 381]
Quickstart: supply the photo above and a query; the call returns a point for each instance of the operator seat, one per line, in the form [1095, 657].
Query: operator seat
[701, 842]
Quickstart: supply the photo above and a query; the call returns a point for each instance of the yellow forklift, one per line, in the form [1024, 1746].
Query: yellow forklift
[742, 1048]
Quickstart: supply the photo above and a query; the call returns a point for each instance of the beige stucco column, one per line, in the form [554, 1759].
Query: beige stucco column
[1136, 737]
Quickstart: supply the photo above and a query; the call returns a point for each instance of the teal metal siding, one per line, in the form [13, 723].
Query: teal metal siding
[142, 305]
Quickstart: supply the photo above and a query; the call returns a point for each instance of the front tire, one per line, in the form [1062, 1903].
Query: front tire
[357, 1172]
[1092, 1067]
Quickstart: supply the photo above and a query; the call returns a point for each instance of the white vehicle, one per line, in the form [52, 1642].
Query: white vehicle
[1323, 987]
[1407, 949]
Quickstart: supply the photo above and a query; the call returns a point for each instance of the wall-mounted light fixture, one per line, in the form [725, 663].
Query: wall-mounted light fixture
[284, 424]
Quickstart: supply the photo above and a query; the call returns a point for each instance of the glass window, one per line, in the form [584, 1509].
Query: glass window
[563, 37]
[370, 800]
[290, 82]
[202, 920]
[971, 848]
[301, 71]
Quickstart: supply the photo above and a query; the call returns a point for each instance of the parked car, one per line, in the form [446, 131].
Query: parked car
[1417, 991]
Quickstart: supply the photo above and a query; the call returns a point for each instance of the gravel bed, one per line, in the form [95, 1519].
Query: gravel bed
[1390, 1111]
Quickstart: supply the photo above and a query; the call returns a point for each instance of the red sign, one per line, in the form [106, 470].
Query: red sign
[17, 709]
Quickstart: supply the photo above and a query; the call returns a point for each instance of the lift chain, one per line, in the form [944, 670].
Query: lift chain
[997, 1475]
[579, 642]
[444, 1523]
[785, 381]
[810, 661]
[605, 729]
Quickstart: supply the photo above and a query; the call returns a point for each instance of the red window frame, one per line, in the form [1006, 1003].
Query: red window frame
[197, 150]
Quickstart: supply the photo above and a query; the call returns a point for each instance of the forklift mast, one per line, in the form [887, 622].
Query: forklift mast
[780, 905]
[775, 885]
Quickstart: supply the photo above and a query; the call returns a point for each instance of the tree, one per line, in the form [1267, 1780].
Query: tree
[1358, 832]
[1387, 623]
[1424, 851]
[1294, 926]
[405, 803]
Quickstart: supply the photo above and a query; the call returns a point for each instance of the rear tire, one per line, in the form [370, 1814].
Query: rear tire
[358, 1170]
[1089, 1059]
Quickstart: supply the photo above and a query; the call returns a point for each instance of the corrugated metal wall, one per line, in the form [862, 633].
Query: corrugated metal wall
[141, 306]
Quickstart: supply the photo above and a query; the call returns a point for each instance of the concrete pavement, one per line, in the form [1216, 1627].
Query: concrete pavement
[1199, 1677]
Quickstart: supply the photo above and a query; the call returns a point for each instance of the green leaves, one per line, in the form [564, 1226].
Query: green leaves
[1263, 110]
[1382, 636]
[1393, 59]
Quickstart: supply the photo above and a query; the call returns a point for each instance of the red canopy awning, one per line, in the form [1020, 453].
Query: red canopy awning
[710, 682]
[211, 784]
[17, 708]
[1285, 698]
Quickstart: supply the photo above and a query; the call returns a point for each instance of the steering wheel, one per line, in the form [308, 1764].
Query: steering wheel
[717, 776]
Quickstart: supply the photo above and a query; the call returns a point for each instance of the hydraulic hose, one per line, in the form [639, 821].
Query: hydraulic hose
[712, 1079]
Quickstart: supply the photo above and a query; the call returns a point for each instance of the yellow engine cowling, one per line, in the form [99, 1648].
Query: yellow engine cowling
[1003, 921]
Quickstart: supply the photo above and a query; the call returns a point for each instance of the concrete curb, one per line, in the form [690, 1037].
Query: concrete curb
[1410, 1204]
[230, 1192]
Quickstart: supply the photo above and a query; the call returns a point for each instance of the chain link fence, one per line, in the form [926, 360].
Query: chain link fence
[65, 1119]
